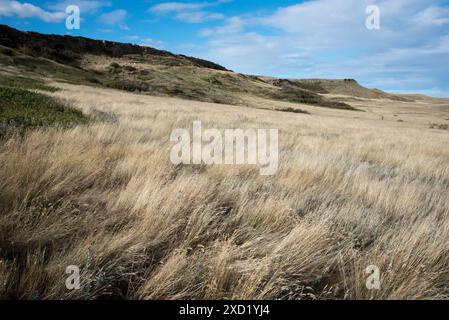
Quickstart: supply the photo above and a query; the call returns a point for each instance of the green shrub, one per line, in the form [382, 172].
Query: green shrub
[127, 85]
[21, 110]
[292, 110]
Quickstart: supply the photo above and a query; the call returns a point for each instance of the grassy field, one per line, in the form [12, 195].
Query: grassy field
[353, 189]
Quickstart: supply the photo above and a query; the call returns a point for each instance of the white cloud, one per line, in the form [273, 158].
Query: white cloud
[85, 6]
[328, 38]
[192, 12]
[433, 16]
[168, 7]
[116, 17]
[330, 23]
[28, 10]
[199, 16]
[233, 25]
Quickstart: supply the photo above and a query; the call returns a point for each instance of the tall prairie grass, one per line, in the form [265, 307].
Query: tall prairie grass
[349, 193]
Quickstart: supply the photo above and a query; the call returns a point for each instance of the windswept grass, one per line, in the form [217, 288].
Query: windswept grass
[105, 197]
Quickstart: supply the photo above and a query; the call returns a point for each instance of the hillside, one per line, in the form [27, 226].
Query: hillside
[141, 69]
[70, 50]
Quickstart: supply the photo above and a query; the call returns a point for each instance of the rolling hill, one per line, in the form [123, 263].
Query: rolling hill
[147, 70]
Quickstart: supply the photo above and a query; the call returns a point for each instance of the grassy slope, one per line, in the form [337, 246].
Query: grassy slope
[165, 75]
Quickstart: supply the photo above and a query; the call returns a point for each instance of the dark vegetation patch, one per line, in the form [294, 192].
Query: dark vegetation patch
[310, 86]
[128, 85]
[297, 91]
[7, 52]
[114, 67]
[21, 110]
[144, 72]
[439, 126]
[129, 68]
[297, 95]
[292, 110]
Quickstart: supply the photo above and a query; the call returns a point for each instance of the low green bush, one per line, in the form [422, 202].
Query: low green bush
[21, 110]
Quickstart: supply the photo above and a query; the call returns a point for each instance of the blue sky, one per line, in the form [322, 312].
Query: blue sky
[283, 38]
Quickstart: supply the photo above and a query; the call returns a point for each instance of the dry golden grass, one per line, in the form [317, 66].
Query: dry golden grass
[351, 191]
